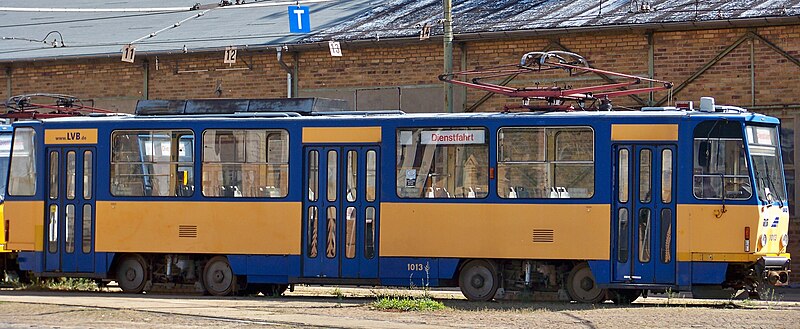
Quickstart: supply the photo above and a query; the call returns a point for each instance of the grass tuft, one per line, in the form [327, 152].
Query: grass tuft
[63, 284]
[405, 304]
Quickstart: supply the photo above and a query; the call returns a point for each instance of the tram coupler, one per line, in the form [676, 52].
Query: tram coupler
[773, 270]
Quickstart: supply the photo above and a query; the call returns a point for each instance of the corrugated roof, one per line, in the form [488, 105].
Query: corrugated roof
[93, 34]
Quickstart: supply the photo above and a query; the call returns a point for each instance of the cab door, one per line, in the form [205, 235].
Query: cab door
[643, 247]
[69, 238]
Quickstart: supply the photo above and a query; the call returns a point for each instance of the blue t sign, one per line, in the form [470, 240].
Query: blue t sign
[299, 19]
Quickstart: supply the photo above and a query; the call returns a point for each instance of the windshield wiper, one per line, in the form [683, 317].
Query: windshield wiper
[771, 184]
[760, 182]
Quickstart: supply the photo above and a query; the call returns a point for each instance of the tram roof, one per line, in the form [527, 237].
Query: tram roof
[361, 118]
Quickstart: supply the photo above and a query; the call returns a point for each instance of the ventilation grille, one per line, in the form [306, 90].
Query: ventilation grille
[543, 235]
[187, 231]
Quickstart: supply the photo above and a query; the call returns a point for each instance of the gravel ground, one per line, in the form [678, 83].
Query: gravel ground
[317, 307]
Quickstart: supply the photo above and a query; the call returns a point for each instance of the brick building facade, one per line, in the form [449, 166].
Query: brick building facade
[755, 67]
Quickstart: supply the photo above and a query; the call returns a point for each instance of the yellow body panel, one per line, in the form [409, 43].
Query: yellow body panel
[199, 227]
[3, 242]
[70, 136]
[494, 230]
[629, 132]
[342, 135]
[702, 236]
[26, 225]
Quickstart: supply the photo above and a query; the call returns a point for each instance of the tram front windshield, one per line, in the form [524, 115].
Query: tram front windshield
[5, 153]
[762, 141]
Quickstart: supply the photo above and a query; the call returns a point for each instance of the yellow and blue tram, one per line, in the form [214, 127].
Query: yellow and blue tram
[226, 196]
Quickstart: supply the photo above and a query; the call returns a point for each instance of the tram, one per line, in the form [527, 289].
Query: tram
[227, 196]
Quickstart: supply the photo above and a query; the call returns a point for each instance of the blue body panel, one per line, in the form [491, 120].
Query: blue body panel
[708, 272]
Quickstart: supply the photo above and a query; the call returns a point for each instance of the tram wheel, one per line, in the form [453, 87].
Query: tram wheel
[218, 277]
[132, 274]
[625, 296]
[478, 280]
[582, 287]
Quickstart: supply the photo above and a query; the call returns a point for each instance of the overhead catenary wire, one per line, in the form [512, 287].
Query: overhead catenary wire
[153, 34]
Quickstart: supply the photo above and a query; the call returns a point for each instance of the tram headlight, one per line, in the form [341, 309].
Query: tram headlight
[763, 241]
[784, 240]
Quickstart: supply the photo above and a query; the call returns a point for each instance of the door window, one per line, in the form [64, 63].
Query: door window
[71, 175]
[644, 235]
[87, 175]
[87, 228]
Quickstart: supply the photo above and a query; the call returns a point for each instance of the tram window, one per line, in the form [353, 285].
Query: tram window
[52, 235]
[622, 235]
[313, 175]
[332, 171]
[545, 162]
[87, 229]
[442, 163]
[312, 231]
[152, 163]
[71, 175]
[330, 246]
[87, 175]
[645, 223]
[623, 175]
[5, 153]
[54, 175]
[645, 175]
[720, 164]
[250, 163]
[22, 178]
[69, 234]
[666, 235]
[371, 172]
[352, 176]
[666, 176]
[369, 234]
[350, 232]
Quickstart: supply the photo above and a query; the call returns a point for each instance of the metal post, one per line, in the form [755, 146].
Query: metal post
[752, 72]
[651, 65]
[8, 81]
[146, 79]
[448, 53]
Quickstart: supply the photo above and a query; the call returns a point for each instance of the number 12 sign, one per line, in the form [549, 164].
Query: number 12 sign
[299, 19]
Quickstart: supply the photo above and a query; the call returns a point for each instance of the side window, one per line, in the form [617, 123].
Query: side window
[545, 162]
[152, 163]
[720, 164]
[250, 163]
[22, 178]
[442, 163]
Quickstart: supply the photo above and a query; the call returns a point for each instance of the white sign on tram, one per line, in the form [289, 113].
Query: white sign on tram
[452, 137]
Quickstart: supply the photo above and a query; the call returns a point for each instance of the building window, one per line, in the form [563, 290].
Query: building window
[251, 163]
[442, 163]
[152, 163]
[545, 162]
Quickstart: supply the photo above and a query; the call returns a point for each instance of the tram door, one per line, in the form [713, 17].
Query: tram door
[340, 213]
[643, 219]
[69, 238]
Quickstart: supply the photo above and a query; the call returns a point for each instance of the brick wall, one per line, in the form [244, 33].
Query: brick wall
[677, 56]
